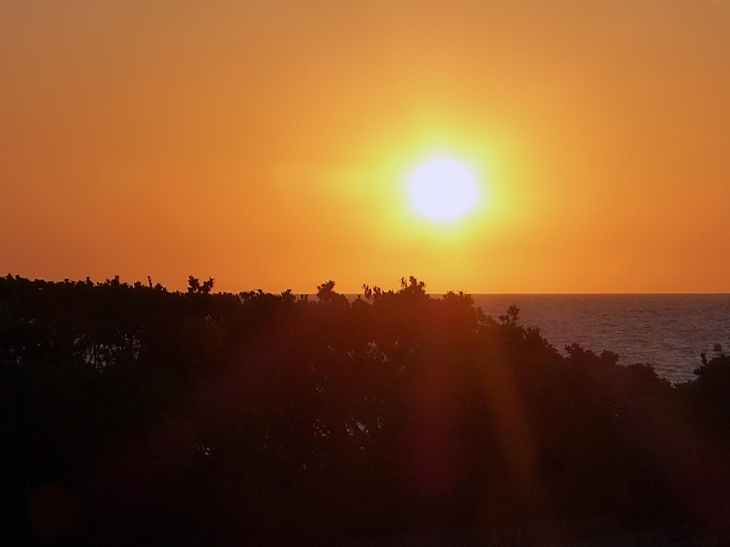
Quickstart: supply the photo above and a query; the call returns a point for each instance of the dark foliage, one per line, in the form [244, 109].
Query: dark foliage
[130, 415]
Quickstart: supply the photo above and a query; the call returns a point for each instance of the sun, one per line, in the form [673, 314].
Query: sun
[443, 189]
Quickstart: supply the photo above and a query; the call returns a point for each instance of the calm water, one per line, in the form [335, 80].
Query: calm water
[667, 331]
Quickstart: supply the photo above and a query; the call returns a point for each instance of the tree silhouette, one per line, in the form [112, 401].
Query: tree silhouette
[132, 415]
[195, 287]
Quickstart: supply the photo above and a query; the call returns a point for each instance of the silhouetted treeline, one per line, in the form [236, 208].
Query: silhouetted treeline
[131, 415]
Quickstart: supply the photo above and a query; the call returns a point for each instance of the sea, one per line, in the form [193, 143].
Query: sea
[667, 331]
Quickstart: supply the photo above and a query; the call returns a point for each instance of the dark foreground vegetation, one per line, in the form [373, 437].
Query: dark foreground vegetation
[130, 415]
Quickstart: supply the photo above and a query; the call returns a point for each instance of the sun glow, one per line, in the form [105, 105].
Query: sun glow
[443, 189]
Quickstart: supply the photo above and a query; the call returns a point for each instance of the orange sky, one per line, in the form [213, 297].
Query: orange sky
[264, 143]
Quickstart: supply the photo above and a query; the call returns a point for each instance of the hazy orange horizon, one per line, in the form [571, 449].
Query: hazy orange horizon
[266, 143]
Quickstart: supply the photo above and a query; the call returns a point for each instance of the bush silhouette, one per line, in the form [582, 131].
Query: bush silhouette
[130, 414]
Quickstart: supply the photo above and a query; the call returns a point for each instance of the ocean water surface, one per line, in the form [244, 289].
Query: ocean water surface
[668, 331]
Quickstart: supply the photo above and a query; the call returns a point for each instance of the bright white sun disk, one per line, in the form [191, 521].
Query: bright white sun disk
[442, 189]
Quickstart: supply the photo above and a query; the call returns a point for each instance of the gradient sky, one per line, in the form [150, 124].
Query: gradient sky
[265, 143]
